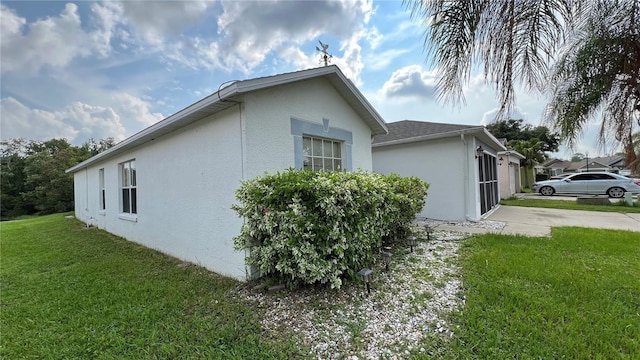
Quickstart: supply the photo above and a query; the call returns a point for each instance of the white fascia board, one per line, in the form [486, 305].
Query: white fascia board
[512, 153]
[430, 137]
[480, 130]
[496, 142]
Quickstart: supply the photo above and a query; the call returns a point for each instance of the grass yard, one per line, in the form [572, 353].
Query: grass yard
[571, 205]
[70, 292]
[574, 296]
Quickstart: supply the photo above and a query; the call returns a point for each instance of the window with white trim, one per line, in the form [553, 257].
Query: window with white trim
[128, 198]
[103, 205]
[321, 154]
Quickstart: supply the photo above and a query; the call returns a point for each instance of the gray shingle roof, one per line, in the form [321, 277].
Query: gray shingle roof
[407, 129]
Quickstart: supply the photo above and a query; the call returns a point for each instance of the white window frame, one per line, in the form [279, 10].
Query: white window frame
[128, 190]
[102, 193]
[321, 154]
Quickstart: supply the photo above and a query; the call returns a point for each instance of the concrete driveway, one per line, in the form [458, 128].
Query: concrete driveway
[538, 221]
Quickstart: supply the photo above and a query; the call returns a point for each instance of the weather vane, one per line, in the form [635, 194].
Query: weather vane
[325, 57]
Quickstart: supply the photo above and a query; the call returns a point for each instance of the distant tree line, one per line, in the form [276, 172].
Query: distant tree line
[33, 178]
[532, 142]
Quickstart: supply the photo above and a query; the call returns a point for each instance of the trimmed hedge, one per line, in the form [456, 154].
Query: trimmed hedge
[309, 227]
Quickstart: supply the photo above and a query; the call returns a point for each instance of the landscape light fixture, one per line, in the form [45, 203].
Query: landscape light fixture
[428, 230]
[412, 242]
[386, 259]
[479, 152]
[366, 277]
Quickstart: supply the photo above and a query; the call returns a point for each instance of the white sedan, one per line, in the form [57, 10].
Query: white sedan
[595, 183]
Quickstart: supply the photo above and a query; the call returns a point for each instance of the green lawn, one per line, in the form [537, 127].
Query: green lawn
[574, 296]
[571, 205]
[70, 292]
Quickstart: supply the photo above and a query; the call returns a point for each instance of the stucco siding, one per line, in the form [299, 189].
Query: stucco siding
[186, 184]
[268, 113]
[440, 163]
[186, 179]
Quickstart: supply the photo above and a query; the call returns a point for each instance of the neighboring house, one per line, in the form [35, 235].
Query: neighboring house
[613, 163]
[460, 162]
[554, 167]
[509, 173]
[171, 186]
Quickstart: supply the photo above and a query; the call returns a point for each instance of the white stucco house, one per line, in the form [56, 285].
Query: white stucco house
[171, 186]
[458, 161]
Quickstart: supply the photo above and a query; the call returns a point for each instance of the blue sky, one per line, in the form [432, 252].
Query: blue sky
[85, 69]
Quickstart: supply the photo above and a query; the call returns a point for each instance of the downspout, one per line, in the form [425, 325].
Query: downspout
[465, 170]
[243, 151]
[251, 272]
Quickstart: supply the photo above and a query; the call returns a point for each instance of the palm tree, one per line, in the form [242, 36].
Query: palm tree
[589, 49]
[598, 75]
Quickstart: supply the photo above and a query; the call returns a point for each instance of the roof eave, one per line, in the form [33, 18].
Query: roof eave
[216, 102]
[468, 131]
[163, 127]
[512, 153]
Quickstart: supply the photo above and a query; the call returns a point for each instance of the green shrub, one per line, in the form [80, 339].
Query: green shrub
[311, 227]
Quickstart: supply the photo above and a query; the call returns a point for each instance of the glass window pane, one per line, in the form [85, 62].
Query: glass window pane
[317, 164]
[306, 146]
[327, 148]
[125, 175]
[337, 164]
[125, 201]
[133, 173]
[337, 150]
[306, 162]
[134, 201]
[317, 147]
[328, 164]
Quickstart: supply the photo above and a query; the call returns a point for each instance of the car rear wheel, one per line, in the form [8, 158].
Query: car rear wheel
[615, 192]
[547, 190]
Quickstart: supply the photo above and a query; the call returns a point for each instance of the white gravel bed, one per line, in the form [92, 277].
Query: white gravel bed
[483, 224]
[407, 303]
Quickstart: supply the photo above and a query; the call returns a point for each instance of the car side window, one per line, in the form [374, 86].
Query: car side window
[583, 177]
[604, 177]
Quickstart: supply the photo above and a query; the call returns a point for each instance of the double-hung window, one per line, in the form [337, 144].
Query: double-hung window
[321, 154]
[103, 205]
[128, 186]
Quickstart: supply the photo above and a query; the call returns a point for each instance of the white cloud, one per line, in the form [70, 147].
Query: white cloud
[248, 32]
[516, 113]
[132, 108]
[156, 22]
[53, 41]
[384, 59]
[107, 17]
[410, 83]
[77, 122]
[351, 61]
